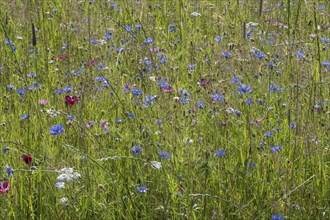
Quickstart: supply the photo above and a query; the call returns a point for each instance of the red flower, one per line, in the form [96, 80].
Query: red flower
[92, 62]
[27, 158]
[63, 57]
[71, 100]
[4, 187]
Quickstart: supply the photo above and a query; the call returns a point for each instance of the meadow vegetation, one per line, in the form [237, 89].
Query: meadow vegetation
[164, 109]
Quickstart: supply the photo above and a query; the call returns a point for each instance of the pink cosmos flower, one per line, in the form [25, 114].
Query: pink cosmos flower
[4, 187]
[92, 62]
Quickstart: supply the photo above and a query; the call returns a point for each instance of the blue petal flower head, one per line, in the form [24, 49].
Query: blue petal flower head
[128, 28]
[227, 54]
[191, 66]
[217, 97]
[164, 155]
[136, 150]
[275, 88]
[138, 26]
[220, 153]
[243, 89]
[21, 91]
[159, 122]
[184, 100]
[58, 91]
[56, 129]
[149, 100]
[200, 105]
[68, 89]
[118, 121]
[149, 40]
[275, 149]
[300, 53]
[9, 171]
[142, 189]
[235, 80]
[248, 101]
[25, 116]
[218, 38]
[277, 217]
[259, 55]
[100, 79]
[326, 63]
[130, 115]
[10, 87]
[70, 117]
[8, 41]
[268, 134]
[136, 92]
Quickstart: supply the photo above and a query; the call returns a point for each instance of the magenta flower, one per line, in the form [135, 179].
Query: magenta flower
[4, 187]
[27, 158]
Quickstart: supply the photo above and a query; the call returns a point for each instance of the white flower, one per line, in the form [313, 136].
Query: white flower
[195, 14]
[60, 185]
[63, 200]
[156, 165]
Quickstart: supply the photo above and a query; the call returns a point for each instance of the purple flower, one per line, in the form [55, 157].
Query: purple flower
[10, 87]
[136, 150]
[9, 171]
[21, 91]
[142, 189]
[217, 97]
[243, 89]
[148, 40]
[25, 116]
[218, 38]
[277, 217]
[227, 54]
[220, 153]
[268, 134]
[56, 129]
[235, 80]
[164, 155]
[275, 149]
[136, 92]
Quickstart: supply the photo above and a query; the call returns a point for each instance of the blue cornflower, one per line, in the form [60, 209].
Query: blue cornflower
[130, 115]
[5, 149]
[248, 101]
[58, 91]
[9, 171]
[200, 105]
[128, 28]
[300, 53]
[100, 79]
[275, 149]
[142, 189]
[218, 38]
[70, 117]
[172, 28]
[235, 80]
[243, 89]
[56, 129]
[136, 150]
[118, 121]
[325, 63]
[277, 217]
[227, 54]
[32, 75]
[184, 100]
[259, 55]
[8, 41]
[68, 89]
[162, 58]
[217, 97]
[191, 66]
[21, 91]
[164, 155]
[11, 87]
[163, 83]
[149, 100]
[25, 116]
[268, 134]
[136, 92]
[275, 88]
[149, 40]
[220, 153]
[159, 122]
[138, 26]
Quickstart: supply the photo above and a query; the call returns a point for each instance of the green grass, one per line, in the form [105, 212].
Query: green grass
[248, 182]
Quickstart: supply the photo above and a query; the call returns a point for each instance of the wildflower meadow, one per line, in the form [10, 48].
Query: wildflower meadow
[165, 109]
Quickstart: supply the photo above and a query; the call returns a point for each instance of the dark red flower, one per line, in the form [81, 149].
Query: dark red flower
[167, 89]
[92, 62]
[27, 158]
[71, 100]
[63, 57]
